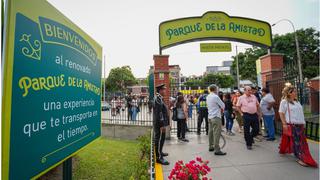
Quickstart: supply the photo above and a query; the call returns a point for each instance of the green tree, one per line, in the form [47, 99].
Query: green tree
[194, 83]
[309, 50]
[284, 44]
[120, 78]
[247, 63]
[223, 81]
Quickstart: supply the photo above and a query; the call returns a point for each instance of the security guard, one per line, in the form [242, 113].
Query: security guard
[203, 111]
[160, 121]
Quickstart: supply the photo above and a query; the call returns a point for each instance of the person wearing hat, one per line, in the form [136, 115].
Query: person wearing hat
[160, 121]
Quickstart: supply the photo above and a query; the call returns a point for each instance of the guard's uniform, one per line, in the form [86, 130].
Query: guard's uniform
[203, 113]
[160, 119]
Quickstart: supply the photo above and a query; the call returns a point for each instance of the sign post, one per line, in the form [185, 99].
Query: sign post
[52, 90]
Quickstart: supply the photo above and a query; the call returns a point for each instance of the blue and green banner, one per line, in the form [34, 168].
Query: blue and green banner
[52, 86]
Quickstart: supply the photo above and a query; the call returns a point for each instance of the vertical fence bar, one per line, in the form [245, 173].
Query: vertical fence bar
[67, 169]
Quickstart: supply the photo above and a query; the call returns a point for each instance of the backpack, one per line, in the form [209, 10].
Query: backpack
[174, 113]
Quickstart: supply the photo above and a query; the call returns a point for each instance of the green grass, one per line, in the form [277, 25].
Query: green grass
[107, 159]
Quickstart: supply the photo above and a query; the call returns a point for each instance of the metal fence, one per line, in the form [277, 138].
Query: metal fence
[118, 111]
[307, 97]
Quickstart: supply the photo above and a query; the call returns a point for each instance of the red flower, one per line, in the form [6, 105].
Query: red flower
[194, 170]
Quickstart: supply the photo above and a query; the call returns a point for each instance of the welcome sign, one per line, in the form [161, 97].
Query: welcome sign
[214, 25]
[52, 86]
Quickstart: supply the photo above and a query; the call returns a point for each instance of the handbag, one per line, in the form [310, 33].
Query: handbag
[174, 114]
[288, 131]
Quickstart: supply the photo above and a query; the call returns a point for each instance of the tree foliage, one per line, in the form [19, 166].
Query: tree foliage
[223, 81]
[284, 44]
[120, 78]
[247, 63]
[194, 83]
[309, 51]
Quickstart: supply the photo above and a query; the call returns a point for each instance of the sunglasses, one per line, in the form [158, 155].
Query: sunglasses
[291, 90]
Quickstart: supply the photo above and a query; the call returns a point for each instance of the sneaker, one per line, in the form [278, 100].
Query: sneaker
[211, 149]
[258, 139]
[164, 154]
[249, 147]
[220, 153]
[232, 134]
[198, 133]
[163, 161]
[185, 140]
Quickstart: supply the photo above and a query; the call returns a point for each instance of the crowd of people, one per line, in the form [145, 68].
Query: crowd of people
[131, 103]
[252, 110]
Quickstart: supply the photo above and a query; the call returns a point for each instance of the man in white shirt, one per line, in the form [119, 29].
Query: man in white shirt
[215, 105]
[266, 106]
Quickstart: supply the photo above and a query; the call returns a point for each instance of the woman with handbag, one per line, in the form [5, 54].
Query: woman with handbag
[182, 115]
[293, 139]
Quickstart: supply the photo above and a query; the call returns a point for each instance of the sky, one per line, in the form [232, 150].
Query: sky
[128, 30]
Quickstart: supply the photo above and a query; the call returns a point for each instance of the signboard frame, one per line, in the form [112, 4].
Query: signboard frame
[12, 9]
[162, 47]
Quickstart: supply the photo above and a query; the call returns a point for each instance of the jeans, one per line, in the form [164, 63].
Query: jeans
[250, 121]
[190, 111]
[134, 113]
[229, 120]
[182, 128]
[269, 123]
[214, 133]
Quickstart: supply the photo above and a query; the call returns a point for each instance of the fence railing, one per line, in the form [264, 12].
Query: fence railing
[119, 112]
[309, 99]
[311, 128]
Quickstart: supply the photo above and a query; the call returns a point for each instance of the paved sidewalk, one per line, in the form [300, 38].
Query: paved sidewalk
[261, 163]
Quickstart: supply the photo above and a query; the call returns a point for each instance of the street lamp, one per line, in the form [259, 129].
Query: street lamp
[298, 53]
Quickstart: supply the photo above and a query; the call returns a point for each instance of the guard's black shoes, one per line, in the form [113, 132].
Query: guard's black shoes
[164, 154]
[220, 153]
[162, 161]
[211, 149]
[249, 147]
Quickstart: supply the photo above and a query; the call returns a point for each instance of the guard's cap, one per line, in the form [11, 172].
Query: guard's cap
[160, 86]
